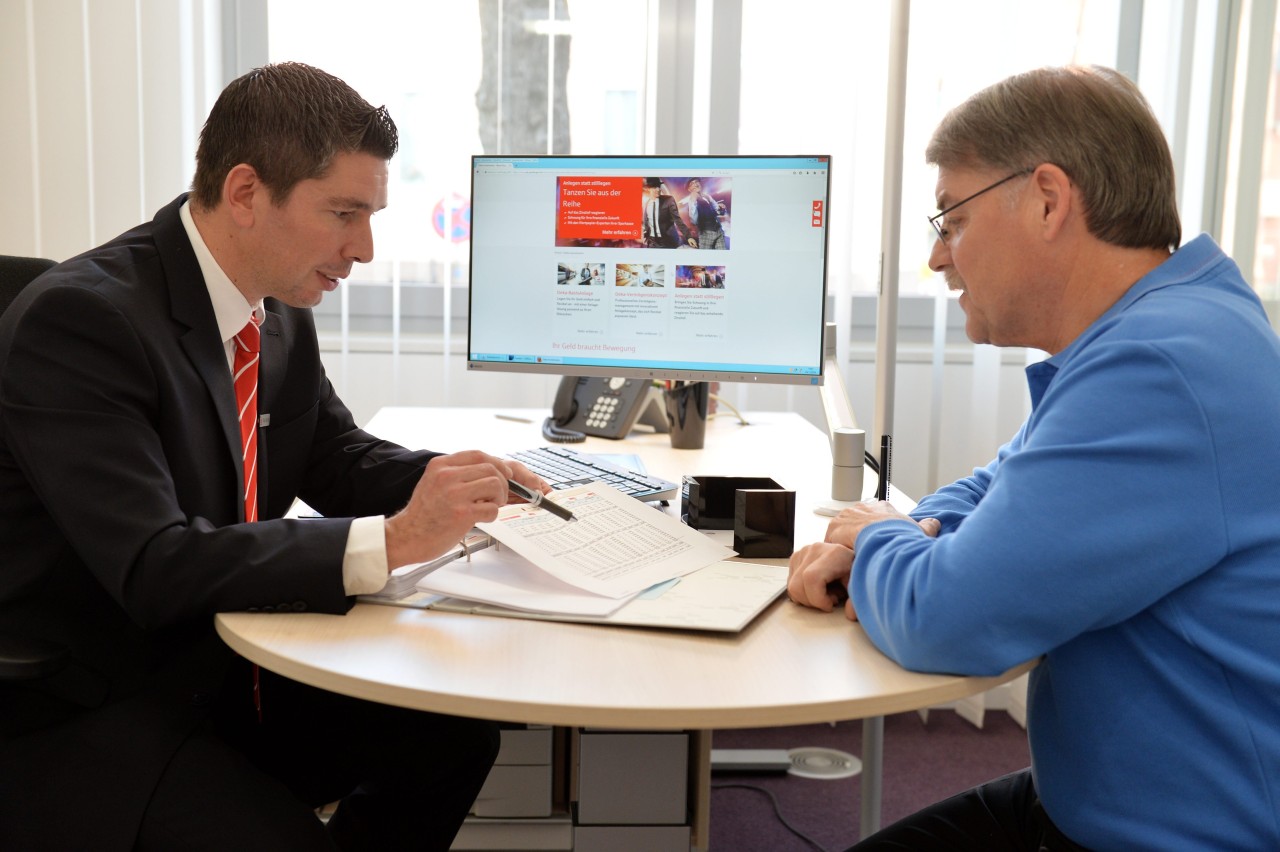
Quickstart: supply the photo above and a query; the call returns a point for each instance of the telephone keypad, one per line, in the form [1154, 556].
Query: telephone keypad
[603, 412]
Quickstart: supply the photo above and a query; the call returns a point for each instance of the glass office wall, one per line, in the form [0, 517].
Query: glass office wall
[816, 78]
[577, 76]
[1266, 260]
[573, 76]
[494, 76]
[104, 134]
[746, 76]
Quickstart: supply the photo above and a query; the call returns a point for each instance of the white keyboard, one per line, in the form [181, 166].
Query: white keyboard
[564, 468]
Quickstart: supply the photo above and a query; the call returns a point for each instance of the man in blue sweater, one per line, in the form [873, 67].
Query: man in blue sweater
[1129, 534]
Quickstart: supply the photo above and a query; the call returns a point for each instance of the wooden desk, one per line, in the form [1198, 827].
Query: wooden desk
[791, 666]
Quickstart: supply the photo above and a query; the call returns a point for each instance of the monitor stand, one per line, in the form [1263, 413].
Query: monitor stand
[654, 412]
[848, 442]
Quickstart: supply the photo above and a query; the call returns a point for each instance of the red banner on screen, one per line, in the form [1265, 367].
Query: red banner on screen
[598, 208]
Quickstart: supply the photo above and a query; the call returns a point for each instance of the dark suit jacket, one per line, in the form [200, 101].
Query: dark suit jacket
[121, 527]
[673, 232]
[708, 215]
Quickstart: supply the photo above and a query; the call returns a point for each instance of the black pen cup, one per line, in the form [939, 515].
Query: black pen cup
[764, 523]
[687, 414]
[761, 513]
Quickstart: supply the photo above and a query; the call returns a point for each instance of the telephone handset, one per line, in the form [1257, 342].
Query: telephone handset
[604, 407]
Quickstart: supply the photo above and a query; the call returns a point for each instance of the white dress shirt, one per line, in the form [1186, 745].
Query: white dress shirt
[364, 563]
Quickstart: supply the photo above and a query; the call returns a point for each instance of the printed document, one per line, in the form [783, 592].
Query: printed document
[615, 548]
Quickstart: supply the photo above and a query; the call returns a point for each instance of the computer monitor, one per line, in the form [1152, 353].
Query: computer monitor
[690, 268]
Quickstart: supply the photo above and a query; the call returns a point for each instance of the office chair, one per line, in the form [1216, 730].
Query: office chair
[24, 659]
[16, 273]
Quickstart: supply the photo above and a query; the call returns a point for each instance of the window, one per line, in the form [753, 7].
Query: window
[96, 147]
[497, 76]
[1265, 269]
[464, 78]
[726, 76]
[816, 77]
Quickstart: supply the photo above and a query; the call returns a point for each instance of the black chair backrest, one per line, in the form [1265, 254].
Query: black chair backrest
[16, 273]
[22, 658]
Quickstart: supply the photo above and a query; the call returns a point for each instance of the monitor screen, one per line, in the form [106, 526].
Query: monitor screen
[696, 268]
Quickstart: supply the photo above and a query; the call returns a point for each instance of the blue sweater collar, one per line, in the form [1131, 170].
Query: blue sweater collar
[1186, 264]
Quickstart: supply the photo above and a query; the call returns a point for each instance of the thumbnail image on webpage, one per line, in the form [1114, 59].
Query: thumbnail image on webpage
[644, 212]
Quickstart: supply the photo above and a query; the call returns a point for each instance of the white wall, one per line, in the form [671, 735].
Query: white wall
[103, 103]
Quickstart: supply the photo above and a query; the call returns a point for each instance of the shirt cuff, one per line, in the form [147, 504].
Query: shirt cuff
[364, 564]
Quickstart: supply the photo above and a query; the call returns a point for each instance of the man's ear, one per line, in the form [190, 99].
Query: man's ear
[1056, 203]
[241, 189]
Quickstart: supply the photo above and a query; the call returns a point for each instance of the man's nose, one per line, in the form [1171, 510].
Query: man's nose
[360, 249]
[939, 256]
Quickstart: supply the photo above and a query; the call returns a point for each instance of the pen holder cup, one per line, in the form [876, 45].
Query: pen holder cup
[761, 513]
[686, 407]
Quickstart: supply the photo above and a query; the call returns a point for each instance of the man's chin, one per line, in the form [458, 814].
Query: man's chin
[975, 331]
[302, 299]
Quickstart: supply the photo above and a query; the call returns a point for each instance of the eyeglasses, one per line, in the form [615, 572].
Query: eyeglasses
[941, 227]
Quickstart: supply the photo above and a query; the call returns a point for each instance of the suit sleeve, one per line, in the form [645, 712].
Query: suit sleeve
[95, 432]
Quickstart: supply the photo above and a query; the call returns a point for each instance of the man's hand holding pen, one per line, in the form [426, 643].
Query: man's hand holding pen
[539, 500]
[818, 574]
[456, 492]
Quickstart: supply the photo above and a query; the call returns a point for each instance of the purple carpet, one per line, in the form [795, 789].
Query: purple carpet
[923, 763]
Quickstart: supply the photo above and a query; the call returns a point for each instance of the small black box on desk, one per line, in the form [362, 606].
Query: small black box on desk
[761, 513]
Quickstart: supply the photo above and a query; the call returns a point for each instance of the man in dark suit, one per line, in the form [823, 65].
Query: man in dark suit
[662, 226]
[126, 524]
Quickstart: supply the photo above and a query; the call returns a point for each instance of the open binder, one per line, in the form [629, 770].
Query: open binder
[621, 562]
[723, 597]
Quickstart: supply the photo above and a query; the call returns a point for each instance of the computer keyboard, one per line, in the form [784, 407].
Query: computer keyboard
[564, 468]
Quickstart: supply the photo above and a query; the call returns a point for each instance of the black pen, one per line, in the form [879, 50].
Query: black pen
[539, 500]
[886, 451]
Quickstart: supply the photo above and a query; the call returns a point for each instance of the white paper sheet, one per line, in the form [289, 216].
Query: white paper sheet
[497, 575]
[616, 547]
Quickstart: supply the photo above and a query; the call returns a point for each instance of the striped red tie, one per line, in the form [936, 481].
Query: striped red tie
[245, 372]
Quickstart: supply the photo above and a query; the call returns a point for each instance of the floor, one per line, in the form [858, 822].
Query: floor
[924, 761]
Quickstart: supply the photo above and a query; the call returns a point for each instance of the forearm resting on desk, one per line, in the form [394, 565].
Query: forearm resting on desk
[819, 573]
[844, 528]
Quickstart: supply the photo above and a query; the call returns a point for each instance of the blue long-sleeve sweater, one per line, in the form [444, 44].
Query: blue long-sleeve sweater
[1130, 534]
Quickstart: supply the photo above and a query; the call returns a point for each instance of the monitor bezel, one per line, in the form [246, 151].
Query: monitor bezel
[660, 162]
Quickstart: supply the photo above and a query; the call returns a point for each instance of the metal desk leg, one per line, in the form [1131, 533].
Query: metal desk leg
[872, 769]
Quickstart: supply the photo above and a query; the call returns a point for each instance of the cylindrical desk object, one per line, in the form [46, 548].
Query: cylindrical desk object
[687, 414]
[847, 449]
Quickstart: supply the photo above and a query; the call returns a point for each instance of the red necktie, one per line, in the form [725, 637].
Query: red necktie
[245, 373]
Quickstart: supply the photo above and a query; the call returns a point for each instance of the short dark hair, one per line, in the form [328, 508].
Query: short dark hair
[691, 181]
[288, 121]
[1095, 125]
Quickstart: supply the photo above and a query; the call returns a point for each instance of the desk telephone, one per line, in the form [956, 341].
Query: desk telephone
[604, 407]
